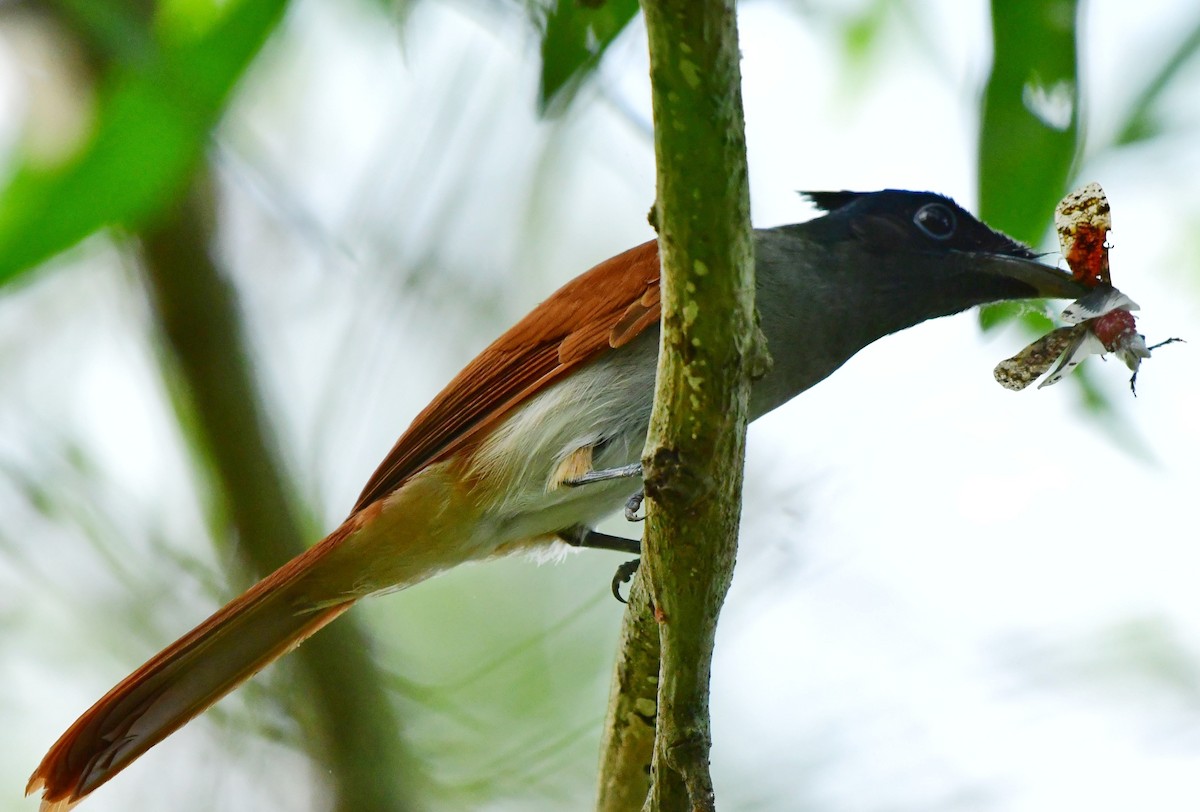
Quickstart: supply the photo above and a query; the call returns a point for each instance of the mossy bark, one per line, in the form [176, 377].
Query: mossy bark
[711, 349]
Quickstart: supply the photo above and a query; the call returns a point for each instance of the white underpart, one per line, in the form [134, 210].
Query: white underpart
[605, 404]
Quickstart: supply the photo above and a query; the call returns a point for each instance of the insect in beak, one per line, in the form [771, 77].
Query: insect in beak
[1101, 321]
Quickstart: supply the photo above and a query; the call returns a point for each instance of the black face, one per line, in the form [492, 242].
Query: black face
[896, 221]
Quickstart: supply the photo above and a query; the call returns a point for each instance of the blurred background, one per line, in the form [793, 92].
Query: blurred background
[949, 596]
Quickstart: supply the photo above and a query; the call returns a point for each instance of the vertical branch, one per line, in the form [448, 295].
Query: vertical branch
[352, 730]
[627, 747]
[710, 350]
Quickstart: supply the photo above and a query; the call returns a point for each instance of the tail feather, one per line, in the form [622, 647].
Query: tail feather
[266, 622]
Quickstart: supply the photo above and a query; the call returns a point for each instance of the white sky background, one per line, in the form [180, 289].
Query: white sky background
[950, 596]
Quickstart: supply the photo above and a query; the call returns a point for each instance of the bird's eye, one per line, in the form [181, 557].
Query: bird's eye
[936, 220]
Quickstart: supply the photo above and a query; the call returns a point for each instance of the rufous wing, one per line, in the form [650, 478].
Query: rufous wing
[603, 309]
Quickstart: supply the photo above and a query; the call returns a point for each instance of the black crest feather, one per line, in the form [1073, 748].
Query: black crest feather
[832, 201]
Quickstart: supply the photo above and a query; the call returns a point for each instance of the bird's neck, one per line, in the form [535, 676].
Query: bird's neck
[822, 301]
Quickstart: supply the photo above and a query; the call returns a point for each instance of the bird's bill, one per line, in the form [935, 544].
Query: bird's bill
[1046, 280]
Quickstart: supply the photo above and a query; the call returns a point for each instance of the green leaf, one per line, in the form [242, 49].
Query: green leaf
[1029, 121]
[158, 106]
[1033, 315]
[575, 35]
[997, 314]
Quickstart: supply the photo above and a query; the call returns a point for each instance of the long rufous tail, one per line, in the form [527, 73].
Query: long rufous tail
[266, 622]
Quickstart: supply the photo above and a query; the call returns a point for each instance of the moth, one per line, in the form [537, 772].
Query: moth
[1098, 323]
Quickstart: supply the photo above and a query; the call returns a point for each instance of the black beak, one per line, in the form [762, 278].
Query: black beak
[1045, 280]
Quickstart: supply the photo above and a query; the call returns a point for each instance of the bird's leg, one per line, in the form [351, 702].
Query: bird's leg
[580, 536]
[604, 474]
[588, 476]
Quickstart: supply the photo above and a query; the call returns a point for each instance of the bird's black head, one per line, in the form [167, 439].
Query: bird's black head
[876, 263]
[894, 220]
[928, 245]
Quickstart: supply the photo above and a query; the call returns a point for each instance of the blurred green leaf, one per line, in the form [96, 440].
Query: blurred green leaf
[575, 34]
[1028, 129]
[863, 31]
[1028, 133]
[158, 105]
[177, 20]
[1139, 121]
[1001, 313]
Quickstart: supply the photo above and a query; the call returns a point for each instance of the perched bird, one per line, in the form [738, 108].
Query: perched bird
[539, 436]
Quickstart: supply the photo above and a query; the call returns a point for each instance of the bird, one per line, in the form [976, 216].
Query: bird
[539, 437]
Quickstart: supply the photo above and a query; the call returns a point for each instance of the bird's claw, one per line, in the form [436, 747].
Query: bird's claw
[633, 505]
[623, 576]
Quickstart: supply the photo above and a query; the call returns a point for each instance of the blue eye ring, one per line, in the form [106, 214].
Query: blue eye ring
[936, 221]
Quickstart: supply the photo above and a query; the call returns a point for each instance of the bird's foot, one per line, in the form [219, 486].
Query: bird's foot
[585, 537]
[633, 505]
[624, 575]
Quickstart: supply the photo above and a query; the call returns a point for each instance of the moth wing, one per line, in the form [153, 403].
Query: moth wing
[1031, 363]
[1083, 219]
[1103, 299]
[1087, 203]
[1083, 343]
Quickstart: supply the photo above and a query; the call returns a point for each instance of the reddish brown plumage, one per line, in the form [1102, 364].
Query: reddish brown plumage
[80, 760]
[604, 308]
